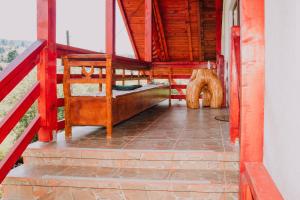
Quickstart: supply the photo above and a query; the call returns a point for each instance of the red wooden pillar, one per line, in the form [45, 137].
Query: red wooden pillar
[110, 27]
[235, 84]
[252, 82]
[148, 30]
[46, 30]
[219, 17]
[110, 13]
[110, 50]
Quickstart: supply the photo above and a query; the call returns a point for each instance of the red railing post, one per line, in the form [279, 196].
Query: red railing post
[46, 30]
[234, 84]
[221, 74]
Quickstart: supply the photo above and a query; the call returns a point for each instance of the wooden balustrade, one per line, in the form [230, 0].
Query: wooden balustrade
[10, 77]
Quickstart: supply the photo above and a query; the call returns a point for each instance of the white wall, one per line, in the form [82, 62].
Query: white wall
[282, 103]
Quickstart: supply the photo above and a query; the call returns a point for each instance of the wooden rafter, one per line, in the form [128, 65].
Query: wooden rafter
[199, 11]
[129, 31]
[161, 31]
[148, 30]
[188, 28]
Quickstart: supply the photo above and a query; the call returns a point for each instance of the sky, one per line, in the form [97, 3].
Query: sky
[85, 20]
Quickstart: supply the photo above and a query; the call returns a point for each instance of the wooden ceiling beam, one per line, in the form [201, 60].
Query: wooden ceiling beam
[188, 28]
[129, 31]
[148, 30]
[161, 31]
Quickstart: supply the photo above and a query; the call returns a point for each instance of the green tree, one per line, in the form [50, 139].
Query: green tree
[12, 55]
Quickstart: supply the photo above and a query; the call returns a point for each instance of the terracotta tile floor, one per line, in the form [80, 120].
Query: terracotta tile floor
[162, 153]
[159, 128]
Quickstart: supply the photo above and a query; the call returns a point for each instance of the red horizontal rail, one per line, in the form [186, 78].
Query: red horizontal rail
[63, 50]
[192, 65]
[60, 125]
[14, 116]
[178, 96]
[183, 76]
[261, 185]
[178, 86]
[12, 157]
[19, 68]
[60, 102]
[118, 76]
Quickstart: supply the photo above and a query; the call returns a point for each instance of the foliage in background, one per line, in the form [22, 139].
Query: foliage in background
[11, 56]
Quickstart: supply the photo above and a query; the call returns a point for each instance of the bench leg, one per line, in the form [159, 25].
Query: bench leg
[68, 131]
[109, 131]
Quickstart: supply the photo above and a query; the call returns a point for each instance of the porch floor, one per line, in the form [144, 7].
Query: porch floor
[163, 153]
[159, 128]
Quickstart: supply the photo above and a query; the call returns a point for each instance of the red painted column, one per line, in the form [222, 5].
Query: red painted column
[46, 30]
[235, 84]
[219, 17]
[110, 27]
[148, 30]
[252, 80]
[252, 84]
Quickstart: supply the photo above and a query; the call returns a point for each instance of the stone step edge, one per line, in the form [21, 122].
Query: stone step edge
[147, 164]
[123, 184]
[130, 154]
[33, 176]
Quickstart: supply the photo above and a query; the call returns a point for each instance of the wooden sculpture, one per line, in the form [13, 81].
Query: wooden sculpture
[206, 81]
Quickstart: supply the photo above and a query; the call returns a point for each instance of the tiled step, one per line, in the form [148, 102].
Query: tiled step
[38, 154]
[62, 182]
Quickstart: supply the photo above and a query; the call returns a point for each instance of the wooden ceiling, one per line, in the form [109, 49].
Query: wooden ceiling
[183, 30]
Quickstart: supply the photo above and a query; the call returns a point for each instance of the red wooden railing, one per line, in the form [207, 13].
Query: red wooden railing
[10, 77]
[171, 75]
[255, 181]
[257, 184]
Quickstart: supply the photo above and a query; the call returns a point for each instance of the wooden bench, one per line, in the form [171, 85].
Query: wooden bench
[106, 108]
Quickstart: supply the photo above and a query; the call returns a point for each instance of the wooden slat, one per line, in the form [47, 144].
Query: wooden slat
[60, 102]
[178, 86]
[175, 76]
[19, 68]
[14, 116]
[11, 158]
[60, 125]
[85, 81]
[79, 63]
